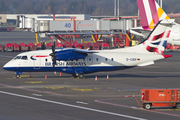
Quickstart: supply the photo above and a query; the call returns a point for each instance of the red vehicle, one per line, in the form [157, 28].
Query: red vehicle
[31, 46]
[48, 45]
[95, 46]
[23, 47]
[10, 29]
[67, 45]
[59, 45]
[119, 40]
[104, 46]
[86, 46]
[15, 47]
[8, 47]
[172, 48]
[160, 98]
[78, 46]
[0, 47]
[38, 46]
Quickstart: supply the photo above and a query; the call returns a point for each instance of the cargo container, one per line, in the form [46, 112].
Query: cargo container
[59, 45]
[8, 47]
[31, 46]
[15, 47]
[160, 98]
[86, 46]
[23, 47]
[48, 45]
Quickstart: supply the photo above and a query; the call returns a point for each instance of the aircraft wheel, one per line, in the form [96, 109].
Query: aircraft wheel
[147, 106]
[74, 75]
[178, 105]
[17, 76]
[81, 75]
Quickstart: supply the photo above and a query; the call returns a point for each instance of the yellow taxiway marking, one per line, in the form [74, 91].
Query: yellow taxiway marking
[72, 89]
[34, 82]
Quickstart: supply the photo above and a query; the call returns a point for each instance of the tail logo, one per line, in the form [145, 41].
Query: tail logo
[155, 44]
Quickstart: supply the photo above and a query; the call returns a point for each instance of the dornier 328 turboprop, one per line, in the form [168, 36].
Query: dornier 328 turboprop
[79, 62]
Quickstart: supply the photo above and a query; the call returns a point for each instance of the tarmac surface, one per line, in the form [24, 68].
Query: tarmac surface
[66, 98]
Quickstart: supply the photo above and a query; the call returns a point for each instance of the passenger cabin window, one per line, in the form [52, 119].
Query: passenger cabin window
[24, 58]
[46, 60]
[89, 59]
[97, 59]
[112, 59]
[106, 59]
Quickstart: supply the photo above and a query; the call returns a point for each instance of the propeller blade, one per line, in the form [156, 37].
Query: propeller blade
[54, 61]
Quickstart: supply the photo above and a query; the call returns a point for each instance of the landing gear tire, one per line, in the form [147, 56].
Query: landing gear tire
[74, 75]
[81, 75]
[147, 106]
[177, 105]
[17, 76]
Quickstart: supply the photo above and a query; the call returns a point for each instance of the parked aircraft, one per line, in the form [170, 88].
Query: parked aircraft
[150, 13]
[79, 62]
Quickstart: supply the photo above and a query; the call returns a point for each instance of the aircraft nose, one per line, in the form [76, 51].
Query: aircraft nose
[5, 66]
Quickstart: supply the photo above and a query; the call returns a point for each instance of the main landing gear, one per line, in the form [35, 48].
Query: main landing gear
[80, 75]
[18, 76]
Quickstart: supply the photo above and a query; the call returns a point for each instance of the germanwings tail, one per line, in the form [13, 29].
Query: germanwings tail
[151, 13]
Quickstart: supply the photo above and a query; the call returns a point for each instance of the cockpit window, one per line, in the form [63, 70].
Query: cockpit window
[24, 58]
[21, 57]
[17, 57]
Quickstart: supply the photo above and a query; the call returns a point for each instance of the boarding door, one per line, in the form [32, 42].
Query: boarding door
[37, 61]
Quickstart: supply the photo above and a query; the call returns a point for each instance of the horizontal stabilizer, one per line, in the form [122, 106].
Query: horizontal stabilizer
[146, 64]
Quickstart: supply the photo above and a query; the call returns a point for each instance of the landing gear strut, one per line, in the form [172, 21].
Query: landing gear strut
[74, 75]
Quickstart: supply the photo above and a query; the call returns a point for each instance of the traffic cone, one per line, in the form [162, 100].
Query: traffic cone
[45, 76]
[96, 78]
[60, 74]
[107, 76]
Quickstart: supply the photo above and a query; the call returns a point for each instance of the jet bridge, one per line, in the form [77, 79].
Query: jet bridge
[73, 25]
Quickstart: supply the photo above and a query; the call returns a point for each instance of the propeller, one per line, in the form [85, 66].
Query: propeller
[53, 55]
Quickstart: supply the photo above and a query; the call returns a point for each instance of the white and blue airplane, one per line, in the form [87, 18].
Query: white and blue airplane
[79, 62]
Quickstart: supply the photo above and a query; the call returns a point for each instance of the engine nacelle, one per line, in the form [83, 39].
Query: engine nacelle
[66, 55]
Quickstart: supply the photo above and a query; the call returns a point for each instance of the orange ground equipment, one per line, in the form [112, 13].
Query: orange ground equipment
[160, 98]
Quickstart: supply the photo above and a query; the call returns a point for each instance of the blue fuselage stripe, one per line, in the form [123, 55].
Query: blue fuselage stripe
[70, 70]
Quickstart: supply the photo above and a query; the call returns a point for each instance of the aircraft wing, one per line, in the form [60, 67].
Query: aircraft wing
[72, 54]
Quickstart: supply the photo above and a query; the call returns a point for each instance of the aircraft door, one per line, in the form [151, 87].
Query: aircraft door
[37, 61]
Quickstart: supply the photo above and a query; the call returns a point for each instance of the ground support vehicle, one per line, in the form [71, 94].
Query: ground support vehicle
[59, 45]
[23, 47]
[8, 47]
[31, 46]
[0, 47]
[15, 47]
[159, 98]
